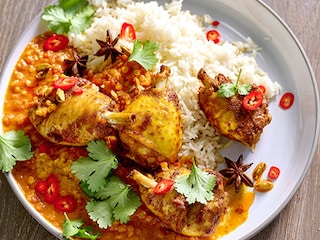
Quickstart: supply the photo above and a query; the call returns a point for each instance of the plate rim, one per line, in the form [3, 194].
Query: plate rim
[311, 157]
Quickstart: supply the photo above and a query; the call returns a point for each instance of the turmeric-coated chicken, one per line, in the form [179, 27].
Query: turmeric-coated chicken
[171, 208]
[227, 115]
[73, 119]
[156, 132]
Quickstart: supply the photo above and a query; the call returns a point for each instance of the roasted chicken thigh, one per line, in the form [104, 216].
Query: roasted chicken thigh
[155, 135]
[73, 119]
[228, 116]
[172, 208]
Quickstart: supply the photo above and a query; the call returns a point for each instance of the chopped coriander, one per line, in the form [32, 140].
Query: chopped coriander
[197, 186]
[68, 16]
[230, 89]
[94, 169]
[14, 146]
[74, 228]
[144, 53]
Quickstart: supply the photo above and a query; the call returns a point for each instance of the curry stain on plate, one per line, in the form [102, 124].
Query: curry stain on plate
[237, 212]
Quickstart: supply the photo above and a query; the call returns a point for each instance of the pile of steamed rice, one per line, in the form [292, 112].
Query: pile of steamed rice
[181, 37]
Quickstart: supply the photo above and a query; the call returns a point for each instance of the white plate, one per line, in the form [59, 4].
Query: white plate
[288, 142]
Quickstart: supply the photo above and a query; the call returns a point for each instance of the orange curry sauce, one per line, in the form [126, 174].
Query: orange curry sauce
[57, 159]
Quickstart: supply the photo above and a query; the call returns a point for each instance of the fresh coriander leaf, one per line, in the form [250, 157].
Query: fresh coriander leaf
[100, 212]
[75, 228]
[14, 146]
[197, 186]
[83, 168]
[113, 186]
[58, 20]
[82, 20]
[85, 188]
[87, 233]
[98, 151]
[121, 198]
[71, 228]
[92, 172]
[73, 5]
[227, 90]
[128, 203]
[68, 16]
[244, 89]
[117, 200]
[144, 53]
[94, 169]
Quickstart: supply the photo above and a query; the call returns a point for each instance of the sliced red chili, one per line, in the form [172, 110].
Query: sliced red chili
[127, 31]
[52, 193]
[77, 91]
[273, 173]
[163, 186]
[65, 83]
[253, 100]
[215, 23]
[41, 187]
[56, 43]
[213, 35]
[262, 89]
[65, 204]
[286, 100]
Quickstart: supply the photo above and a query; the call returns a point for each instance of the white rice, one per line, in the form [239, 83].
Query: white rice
[181, 37]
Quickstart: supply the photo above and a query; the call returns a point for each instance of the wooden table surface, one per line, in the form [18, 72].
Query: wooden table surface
[300, 219]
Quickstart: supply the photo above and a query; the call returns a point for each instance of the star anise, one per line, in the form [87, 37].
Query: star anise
[76, 66]
[107, 48]
[235, 173]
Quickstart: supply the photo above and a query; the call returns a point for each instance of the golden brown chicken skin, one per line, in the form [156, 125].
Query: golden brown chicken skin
[155, 135]
[73, 119]
[172, 208]
[227, 115]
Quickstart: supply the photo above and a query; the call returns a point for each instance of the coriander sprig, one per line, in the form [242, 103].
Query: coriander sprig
[68, 16]
[14, 146]
[75, 228]
[110, 198]
[230, 89]
[116, 201]
[197, 186]
[94, 169]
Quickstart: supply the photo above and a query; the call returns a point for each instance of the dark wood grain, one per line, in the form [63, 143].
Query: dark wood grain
[300, 219]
